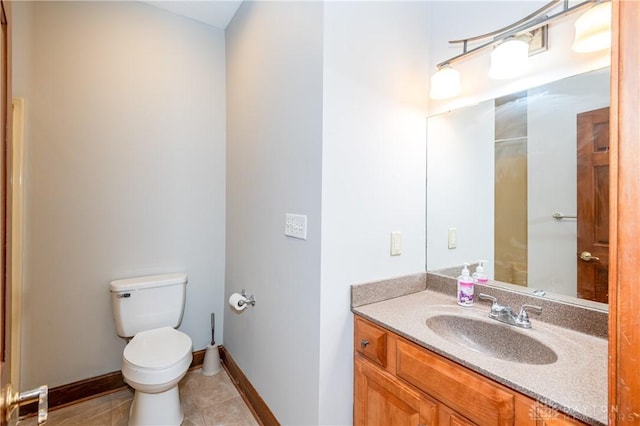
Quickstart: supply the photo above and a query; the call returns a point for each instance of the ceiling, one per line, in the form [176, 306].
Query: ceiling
[217, 13]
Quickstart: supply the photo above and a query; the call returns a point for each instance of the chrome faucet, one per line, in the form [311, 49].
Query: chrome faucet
[504, 313]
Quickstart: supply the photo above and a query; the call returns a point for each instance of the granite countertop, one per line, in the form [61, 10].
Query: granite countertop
[576, 384]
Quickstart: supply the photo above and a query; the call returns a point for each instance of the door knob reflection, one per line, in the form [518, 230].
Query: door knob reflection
[586, 256]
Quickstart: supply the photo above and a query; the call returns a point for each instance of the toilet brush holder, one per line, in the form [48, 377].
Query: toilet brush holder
[211, 364]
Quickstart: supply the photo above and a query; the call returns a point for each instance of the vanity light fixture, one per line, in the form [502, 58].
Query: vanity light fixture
[593, 29]
[513, 44]
[510, 58]
[445, 83]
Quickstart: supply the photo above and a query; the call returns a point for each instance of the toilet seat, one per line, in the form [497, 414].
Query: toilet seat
[156, 359]
[157, 349]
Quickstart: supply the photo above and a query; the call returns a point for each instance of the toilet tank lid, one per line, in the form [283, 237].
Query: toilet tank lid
[148, 281]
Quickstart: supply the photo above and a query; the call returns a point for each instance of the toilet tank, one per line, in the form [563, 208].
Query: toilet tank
[145, 303]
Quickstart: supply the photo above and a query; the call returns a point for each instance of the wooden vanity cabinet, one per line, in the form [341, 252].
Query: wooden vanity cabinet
[400, 383]
[384, 400]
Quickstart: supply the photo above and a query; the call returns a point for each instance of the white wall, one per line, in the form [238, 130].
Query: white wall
[373, 168]
[125, 173]
[274, 154]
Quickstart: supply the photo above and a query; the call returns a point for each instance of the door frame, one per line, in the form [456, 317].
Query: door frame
[5, 205]
[624, 250]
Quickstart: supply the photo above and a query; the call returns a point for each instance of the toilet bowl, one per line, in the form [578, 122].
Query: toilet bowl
[147, 310]
[153, 363]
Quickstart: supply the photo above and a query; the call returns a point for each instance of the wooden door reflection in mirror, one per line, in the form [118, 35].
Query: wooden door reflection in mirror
[593, 205]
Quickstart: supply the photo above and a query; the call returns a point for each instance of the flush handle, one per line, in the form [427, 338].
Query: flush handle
[586, 256]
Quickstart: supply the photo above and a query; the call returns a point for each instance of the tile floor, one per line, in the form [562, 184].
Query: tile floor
[206, 401]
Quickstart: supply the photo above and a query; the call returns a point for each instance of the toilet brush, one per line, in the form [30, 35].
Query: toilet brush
[211, 363]
[213, 328]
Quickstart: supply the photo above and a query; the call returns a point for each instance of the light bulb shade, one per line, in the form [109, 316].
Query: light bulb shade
[593, 29]
[445, 83]
[509, 59]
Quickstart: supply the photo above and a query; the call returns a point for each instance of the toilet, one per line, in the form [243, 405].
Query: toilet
[146, 311]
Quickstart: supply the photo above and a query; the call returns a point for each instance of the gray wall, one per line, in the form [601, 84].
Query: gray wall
[326, 107]
[274, 155]
[125, 173]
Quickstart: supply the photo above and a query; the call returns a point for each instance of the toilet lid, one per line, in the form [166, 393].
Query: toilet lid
[157, 349]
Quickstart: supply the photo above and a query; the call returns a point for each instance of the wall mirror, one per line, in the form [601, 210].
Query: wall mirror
[521, 182]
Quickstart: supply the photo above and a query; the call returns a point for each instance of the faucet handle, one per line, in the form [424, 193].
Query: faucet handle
[487, 297]
[534, 308]
[523, 317]
[496, 308]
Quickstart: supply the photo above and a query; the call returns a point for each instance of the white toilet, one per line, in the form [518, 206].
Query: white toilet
[146, 310]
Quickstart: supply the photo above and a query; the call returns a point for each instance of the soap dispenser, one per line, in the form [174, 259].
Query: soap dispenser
[479, 277]
[465, 287]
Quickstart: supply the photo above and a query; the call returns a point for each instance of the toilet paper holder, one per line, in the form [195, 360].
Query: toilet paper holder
[247, 300]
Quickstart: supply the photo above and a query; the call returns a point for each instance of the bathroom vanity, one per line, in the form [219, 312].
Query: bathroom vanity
[414, 367]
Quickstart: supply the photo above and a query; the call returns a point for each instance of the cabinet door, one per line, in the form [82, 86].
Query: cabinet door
[382, 400]
[448, 417]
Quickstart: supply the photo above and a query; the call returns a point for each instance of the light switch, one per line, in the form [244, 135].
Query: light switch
[295, 225]
[453, 238]
[396, 244]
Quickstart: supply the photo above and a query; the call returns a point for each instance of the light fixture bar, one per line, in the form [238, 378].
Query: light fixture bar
[531, 22]
[502, 30]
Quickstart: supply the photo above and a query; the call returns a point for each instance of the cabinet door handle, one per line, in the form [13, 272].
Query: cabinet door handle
[364, 343]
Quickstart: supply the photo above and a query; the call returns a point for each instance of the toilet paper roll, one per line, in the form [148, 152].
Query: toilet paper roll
[234, 302]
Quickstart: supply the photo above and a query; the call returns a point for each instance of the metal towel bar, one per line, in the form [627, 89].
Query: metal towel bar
[560, 216]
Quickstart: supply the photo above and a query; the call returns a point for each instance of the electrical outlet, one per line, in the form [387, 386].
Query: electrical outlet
[396, 244]
[295, 225]
[453, 238]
